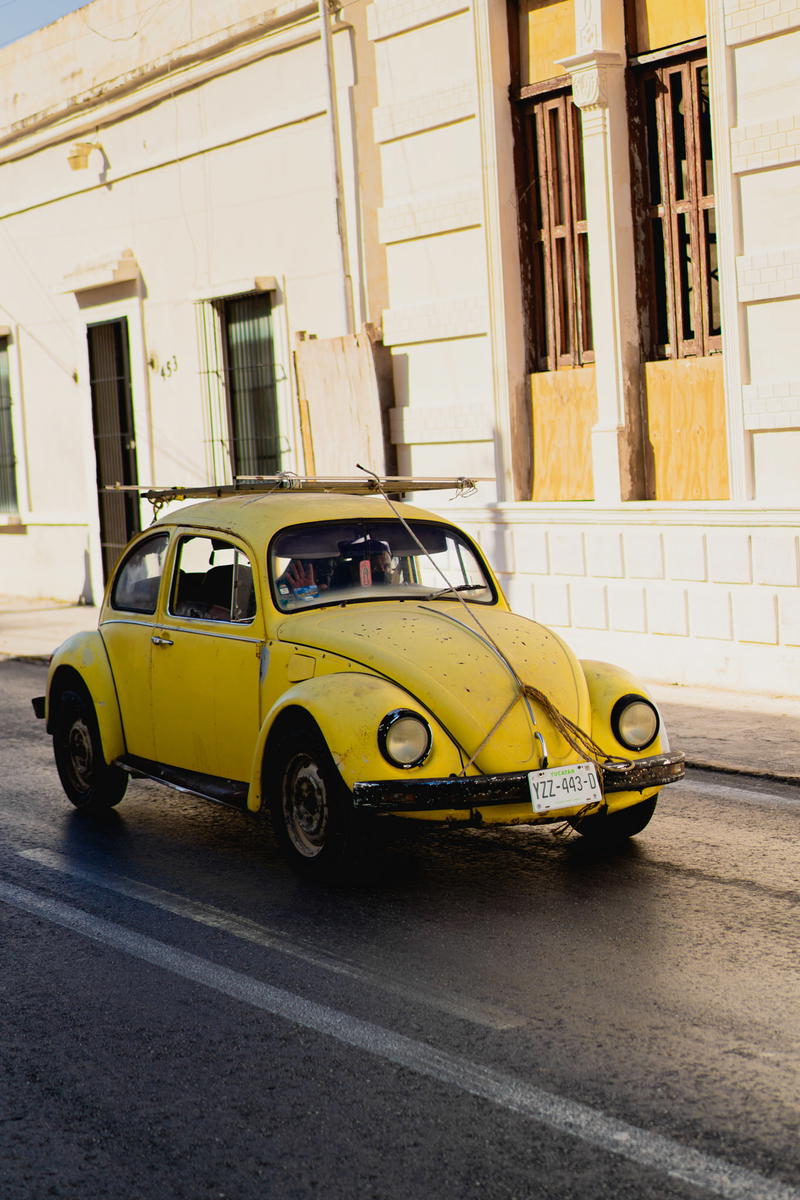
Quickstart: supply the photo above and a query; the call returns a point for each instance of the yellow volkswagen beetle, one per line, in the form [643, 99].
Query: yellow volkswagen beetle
[316, 656]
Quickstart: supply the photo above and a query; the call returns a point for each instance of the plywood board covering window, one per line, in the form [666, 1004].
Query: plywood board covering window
[686, 425]
[564, 411]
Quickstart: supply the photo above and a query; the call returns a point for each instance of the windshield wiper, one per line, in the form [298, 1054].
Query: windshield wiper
[456, 587]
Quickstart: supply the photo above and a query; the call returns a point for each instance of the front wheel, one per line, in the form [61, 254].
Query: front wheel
[90, 783]
[311, 808]
[605, 828]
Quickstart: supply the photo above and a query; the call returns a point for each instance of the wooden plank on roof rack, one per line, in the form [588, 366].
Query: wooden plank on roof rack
[267, 484]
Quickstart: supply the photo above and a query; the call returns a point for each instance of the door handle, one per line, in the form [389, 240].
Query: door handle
[160, 641]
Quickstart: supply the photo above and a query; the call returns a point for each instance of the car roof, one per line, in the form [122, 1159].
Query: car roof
[256, 517]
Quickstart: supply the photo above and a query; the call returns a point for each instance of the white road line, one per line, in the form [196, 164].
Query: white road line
[216, 918]
[741, 793]
[650, 1150]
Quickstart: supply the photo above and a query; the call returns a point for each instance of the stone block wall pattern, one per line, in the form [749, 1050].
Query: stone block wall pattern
[748, 20]
[691, 595]
[766, 144]
[773, 275]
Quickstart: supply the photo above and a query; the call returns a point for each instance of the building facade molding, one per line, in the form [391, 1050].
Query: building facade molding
[599, 90]
[432, 110]
[440, 425]
[230, 49]
[436, 320]
[386, 18]
[430, 213]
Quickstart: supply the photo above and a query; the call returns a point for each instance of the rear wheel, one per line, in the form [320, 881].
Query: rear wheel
[90, 783]
[606, 828]
[311, 807]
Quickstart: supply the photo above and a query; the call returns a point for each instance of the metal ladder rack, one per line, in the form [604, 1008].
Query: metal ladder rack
[269, 484]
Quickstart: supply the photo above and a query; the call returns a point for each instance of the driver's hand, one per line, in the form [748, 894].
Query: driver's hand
[299, 575]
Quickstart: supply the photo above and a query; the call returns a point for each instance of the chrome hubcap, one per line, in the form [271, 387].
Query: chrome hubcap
[305, 806]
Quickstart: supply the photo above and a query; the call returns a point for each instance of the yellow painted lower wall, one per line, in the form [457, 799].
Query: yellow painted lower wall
[685, 401]
[547, 34]
[564, 411]
[660, 23]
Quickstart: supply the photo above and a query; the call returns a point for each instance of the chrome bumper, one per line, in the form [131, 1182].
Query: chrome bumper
[483, 791]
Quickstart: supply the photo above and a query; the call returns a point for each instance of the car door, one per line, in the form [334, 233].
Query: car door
[127, 627]
[206, 659]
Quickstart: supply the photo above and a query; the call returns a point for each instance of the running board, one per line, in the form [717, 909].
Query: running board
[231, 792]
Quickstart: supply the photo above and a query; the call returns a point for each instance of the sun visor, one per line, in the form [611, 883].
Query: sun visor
[325, 540]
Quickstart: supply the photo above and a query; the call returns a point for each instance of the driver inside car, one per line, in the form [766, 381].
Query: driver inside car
[364, 562]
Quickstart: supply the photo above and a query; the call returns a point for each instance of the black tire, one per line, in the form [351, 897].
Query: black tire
[607, 828]
[90, 783]
[310, 805]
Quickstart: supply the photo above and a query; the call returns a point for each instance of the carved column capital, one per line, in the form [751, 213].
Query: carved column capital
[590, 76]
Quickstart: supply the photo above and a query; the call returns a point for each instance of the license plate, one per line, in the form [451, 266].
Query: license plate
[564, 787]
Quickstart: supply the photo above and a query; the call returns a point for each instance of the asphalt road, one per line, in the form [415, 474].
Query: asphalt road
[478, 1014]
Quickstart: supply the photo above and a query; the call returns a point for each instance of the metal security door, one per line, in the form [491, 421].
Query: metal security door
[250, 375]
[114, 438]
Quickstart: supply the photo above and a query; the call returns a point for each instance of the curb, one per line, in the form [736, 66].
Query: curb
[748, 772]
[40, 659]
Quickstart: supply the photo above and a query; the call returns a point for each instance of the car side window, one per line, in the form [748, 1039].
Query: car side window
[139, 576]
[213, 581]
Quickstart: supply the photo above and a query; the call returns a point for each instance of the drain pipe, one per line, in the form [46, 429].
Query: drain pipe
[336, 160]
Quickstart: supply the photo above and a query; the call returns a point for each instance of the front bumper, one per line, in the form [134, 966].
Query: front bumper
[483, 791]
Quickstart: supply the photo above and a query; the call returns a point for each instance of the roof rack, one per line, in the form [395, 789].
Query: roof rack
[267, 484]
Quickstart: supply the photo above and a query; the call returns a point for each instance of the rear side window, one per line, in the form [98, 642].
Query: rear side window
[139, 576]
[213, 581]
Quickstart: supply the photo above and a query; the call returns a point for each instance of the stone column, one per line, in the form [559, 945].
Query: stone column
[598, 88]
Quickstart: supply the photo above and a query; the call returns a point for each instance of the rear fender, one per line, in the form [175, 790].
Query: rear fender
[348, 709]
[82, 659]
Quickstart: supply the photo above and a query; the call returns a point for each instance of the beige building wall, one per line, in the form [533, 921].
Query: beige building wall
[209, 173]
[205, 172]
[432, 226]
[758, 123]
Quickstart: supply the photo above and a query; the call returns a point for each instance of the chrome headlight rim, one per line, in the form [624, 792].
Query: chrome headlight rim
[384, 735]
[617, 713]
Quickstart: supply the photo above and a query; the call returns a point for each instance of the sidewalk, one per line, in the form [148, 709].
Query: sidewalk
[33, 628]
[728, 731]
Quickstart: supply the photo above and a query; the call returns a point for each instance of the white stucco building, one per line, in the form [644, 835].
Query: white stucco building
[552, 244]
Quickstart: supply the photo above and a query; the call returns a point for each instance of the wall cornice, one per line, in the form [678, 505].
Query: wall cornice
[227, 50]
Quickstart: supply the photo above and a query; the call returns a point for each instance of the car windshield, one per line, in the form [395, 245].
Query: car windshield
[335, 562]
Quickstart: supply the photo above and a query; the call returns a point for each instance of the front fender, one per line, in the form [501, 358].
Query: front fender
[348, 709]
[607, 683]
[84, 655]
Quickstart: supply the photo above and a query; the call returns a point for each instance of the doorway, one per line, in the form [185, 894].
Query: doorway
[114, 436]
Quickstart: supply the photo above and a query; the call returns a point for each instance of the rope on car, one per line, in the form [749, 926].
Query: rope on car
[580, 741]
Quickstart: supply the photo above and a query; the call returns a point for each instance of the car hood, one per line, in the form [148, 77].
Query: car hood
[445, 660]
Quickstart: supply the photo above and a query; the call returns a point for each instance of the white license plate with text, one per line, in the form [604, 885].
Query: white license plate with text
[564, 787]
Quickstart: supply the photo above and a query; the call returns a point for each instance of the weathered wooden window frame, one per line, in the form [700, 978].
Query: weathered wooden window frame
[553, 229]
[674, 199]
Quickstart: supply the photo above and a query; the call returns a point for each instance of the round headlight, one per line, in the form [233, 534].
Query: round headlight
[635, 722]
[404, 738]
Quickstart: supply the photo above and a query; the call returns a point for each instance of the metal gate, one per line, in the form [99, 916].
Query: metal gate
[114, 438]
